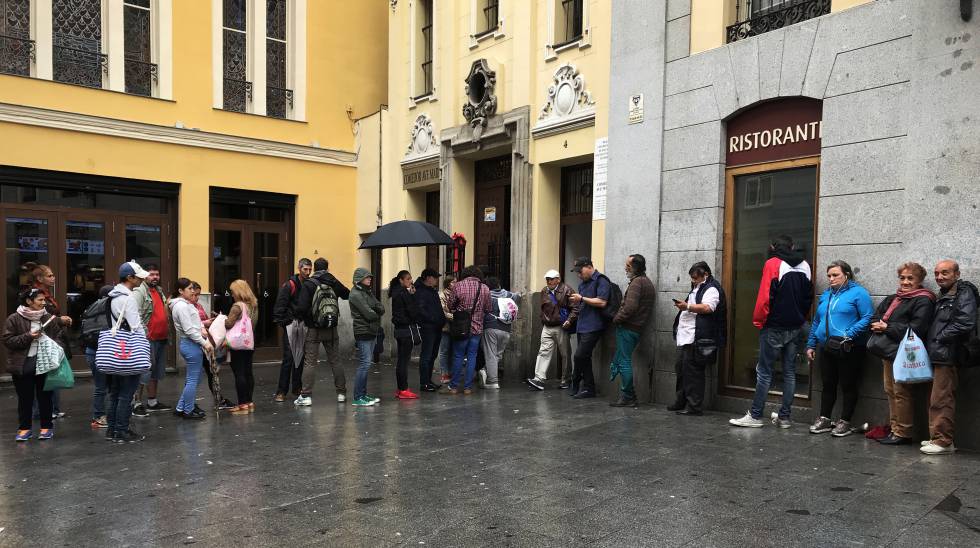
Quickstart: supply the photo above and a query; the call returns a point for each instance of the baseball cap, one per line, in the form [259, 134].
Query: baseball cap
[430, 272]
[132, 268]
[580, 262]
[551, 274]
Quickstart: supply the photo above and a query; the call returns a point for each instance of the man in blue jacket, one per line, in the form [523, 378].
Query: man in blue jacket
[592, 296]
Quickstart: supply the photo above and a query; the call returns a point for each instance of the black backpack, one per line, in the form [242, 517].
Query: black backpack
[615, 301]
[96, 319]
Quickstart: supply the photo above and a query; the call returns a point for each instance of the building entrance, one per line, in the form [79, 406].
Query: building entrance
[492, 218]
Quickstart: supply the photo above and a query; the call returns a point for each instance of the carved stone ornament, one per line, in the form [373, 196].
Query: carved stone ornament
[567, 95]
[423, 137]
[393, 4]
[481, 103]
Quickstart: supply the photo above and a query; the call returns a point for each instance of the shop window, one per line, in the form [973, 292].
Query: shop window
[279, 99]
[758, 192]
[141, 72]
[247, 212]
[754, 17]
[77, 42]
[237, 89]
[423, 50]
[16, 46]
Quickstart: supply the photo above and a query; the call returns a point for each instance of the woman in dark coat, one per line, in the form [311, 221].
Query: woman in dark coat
[405, 317]
[909, 308]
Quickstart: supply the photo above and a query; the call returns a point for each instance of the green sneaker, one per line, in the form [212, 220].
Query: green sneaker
[362, 401]
[374, 399]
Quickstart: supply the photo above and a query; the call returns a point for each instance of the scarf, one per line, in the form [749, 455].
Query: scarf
[905, 296]
[32, 315]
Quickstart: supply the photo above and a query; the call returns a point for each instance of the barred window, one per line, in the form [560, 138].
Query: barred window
[278, 98]
[77, 42]
[16, 46]
[140, 71]
[237, 88]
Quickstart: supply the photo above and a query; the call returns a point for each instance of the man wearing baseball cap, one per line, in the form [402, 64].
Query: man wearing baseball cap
[122, 387]
[592, 296]
[555, 310]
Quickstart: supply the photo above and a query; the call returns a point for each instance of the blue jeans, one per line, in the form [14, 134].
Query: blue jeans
[622, 363]
[446, 353]
[465, 349]
[121, 389]
[775, 343]
[194, 356]
[98, 379]
[365, 354]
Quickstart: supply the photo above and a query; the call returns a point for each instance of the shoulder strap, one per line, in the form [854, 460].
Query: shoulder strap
[122, 315]
[479, 291]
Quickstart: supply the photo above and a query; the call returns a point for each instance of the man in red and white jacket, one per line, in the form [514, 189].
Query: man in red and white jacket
[781, 309]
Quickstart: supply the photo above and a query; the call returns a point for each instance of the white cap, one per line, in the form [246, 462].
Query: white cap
[132, 268]
[552, 274]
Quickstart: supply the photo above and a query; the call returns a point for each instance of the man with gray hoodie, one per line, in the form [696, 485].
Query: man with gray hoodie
[497, 329]
[122, 387]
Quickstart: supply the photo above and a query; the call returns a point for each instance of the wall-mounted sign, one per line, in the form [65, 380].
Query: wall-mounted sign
[636, 108]
[428, 174]
[600, 174]
[777, 130]
[489, 214]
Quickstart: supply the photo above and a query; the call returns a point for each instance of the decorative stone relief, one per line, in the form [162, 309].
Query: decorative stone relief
[423, 141]
[393, 4]
[481, 103]
[568, 103]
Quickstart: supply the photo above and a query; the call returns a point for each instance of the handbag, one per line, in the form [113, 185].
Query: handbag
[460, 326]
[217, 330]
[411, 331]
[122, 352]
[835, 345]
[911, 364]
[49, 355]
[240, 335]
[60, 378]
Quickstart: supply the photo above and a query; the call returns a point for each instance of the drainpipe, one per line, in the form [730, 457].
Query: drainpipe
[381, 109]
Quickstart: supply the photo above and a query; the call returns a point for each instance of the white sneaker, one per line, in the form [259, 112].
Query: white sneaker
[303, 401]
[925, 443]
[936, 449]
[341, 398]
[483, 378]
[493, 385]
[746, 422]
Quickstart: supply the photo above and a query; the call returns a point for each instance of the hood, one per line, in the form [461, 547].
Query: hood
[791, 257]
[420, 285]
[323, 276]
[176, 300]
[119, 290]
[360, 274]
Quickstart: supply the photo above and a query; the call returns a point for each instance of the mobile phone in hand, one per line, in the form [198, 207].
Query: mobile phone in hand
[676, 301]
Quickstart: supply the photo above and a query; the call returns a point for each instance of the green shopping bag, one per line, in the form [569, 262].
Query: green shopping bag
[60, 378]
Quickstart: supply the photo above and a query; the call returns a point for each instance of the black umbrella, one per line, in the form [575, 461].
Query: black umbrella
[406, 234]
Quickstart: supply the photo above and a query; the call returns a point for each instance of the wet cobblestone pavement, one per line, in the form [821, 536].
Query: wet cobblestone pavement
[499, 468]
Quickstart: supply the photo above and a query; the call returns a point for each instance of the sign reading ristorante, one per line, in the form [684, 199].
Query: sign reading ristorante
[777, 130]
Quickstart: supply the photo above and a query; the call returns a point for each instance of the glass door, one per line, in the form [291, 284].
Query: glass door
[226, 264]
[267, 269]
[85, 270]
[26, 237]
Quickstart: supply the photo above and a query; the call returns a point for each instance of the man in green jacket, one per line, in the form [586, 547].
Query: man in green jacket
[155, 315]
[366, 312]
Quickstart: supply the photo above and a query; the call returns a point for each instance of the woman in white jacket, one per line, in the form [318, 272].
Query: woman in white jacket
[192, 344]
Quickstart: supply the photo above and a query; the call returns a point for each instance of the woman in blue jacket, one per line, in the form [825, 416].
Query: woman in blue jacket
[839, 330]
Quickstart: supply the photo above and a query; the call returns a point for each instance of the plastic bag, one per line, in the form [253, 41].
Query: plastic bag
[49, 355]
[60, 378]
[912, 364]
[217, 330]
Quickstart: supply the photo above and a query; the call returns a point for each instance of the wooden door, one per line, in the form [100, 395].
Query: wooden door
[492, 218]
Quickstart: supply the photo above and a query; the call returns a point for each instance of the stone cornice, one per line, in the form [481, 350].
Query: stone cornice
[85, 123]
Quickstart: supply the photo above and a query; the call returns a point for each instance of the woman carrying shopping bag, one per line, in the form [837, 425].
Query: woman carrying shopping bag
[241, 340]
[22, 333]
[909, 308]
[192, 345]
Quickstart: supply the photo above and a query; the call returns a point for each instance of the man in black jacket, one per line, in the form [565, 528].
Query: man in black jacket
[954, 319]
[284, 315]
[315, 336]
[433, 318]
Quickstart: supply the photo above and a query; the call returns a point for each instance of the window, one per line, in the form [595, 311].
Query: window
[278, 98]
[570, 15]
[237, 88]
[16, 46]
[754, 17]
[141, 72]
[487, 17]
[76, 27]
[423, 50]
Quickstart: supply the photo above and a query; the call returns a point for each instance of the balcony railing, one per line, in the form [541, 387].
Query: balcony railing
[16, 55]
[237, 94]
[278, 101]
[140, 77]
[754, 17]
[79, 66]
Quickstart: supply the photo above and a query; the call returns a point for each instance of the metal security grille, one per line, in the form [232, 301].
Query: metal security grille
[278, 98]
[576, 190]
[491, 16]
[237, 89]
[77, 42]
[16, 46]
[754, 17]
[140, 71]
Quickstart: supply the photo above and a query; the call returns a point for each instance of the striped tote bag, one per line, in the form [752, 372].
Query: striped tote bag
[122, 352]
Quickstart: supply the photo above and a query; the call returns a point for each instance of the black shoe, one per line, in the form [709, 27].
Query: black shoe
[139, 410]
[225, 404]
[573, 391]
[110, 435]
[676, 406]
[535, 384]
[129, 437]
[158, 406]
[892, 439]
[690, 412]
[430, 387]
[563, 385]
[196, 414]
[623, 402]
[584, 394]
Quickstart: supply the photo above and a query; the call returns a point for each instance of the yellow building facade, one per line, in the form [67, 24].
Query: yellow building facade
[216, 138]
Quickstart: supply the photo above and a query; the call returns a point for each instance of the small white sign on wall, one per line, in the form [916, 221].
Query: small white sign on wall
[636, 108]
[600, 166]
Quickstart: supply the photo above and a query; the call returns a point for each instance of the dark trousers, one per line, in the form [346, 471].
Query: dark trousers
[583, 378]
[840, 370]
[241, 366]
[121, 390]
[401, 366]
[690, 368]
[206, 364]
[431, 340]
[30, 388]
[289, 369]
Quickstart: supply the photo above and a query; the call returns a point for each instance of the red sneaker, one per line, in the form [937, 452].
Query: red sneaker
[406, 395]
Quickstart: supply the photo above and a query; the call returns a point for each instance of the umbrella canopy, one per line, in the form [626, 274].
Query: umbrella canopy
[406, 234]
